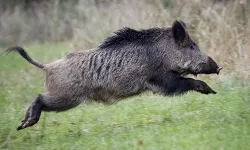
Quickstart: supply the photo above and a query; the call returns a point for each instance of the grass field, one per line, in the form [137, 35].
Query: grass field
[147, 121]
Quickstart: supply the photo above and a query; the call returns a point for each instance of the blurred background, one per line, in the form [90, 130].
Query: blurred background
[49, 29]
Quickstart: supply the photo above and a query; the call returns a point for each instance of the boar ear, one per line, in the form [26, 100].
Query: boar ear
[179, 32]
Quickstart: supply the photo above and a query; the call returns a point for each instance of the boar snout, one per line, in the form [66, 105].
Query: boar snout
[213, 66]
[210, 67]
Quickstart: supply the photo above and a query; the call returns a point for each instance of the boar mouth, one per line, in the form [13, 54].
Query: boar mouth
[195, 73]
[188, 73]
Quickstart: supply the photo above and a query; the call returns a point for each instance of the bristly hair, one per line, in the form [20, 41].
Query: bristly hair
[127, 36]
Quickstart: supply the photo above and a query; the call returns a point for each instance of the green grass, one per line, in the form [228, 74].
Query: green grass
[151, 122]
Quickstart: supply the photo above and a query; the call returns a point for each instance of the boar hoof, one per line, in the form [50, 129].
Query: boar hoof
[203, 88]
[28, 123]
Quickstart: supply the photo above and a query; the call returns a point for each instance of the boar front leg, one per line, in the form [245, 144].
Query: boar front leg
[172, 84]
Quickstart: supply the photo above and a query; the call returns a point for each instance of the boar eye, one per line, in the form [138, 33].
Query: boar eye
[191, 46]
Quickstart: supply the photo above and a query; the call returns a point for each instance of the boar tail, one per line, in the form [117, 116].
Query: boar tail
[23, 53]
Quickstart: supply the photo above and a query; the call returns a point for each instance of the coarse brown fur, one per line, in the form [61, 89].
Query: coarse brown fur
[125, 64]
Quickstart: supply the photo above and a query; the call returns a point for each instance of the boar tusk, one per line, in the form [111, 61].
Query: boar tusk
[218, 70]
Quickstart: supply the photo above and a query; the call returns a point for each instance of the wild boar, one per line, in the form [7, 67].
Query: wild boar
[125, 64]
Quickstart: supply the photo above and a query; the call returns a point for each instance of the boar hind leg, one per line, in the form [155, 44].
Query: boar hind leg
[47, 103]
[33, 113]
[61, 103]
